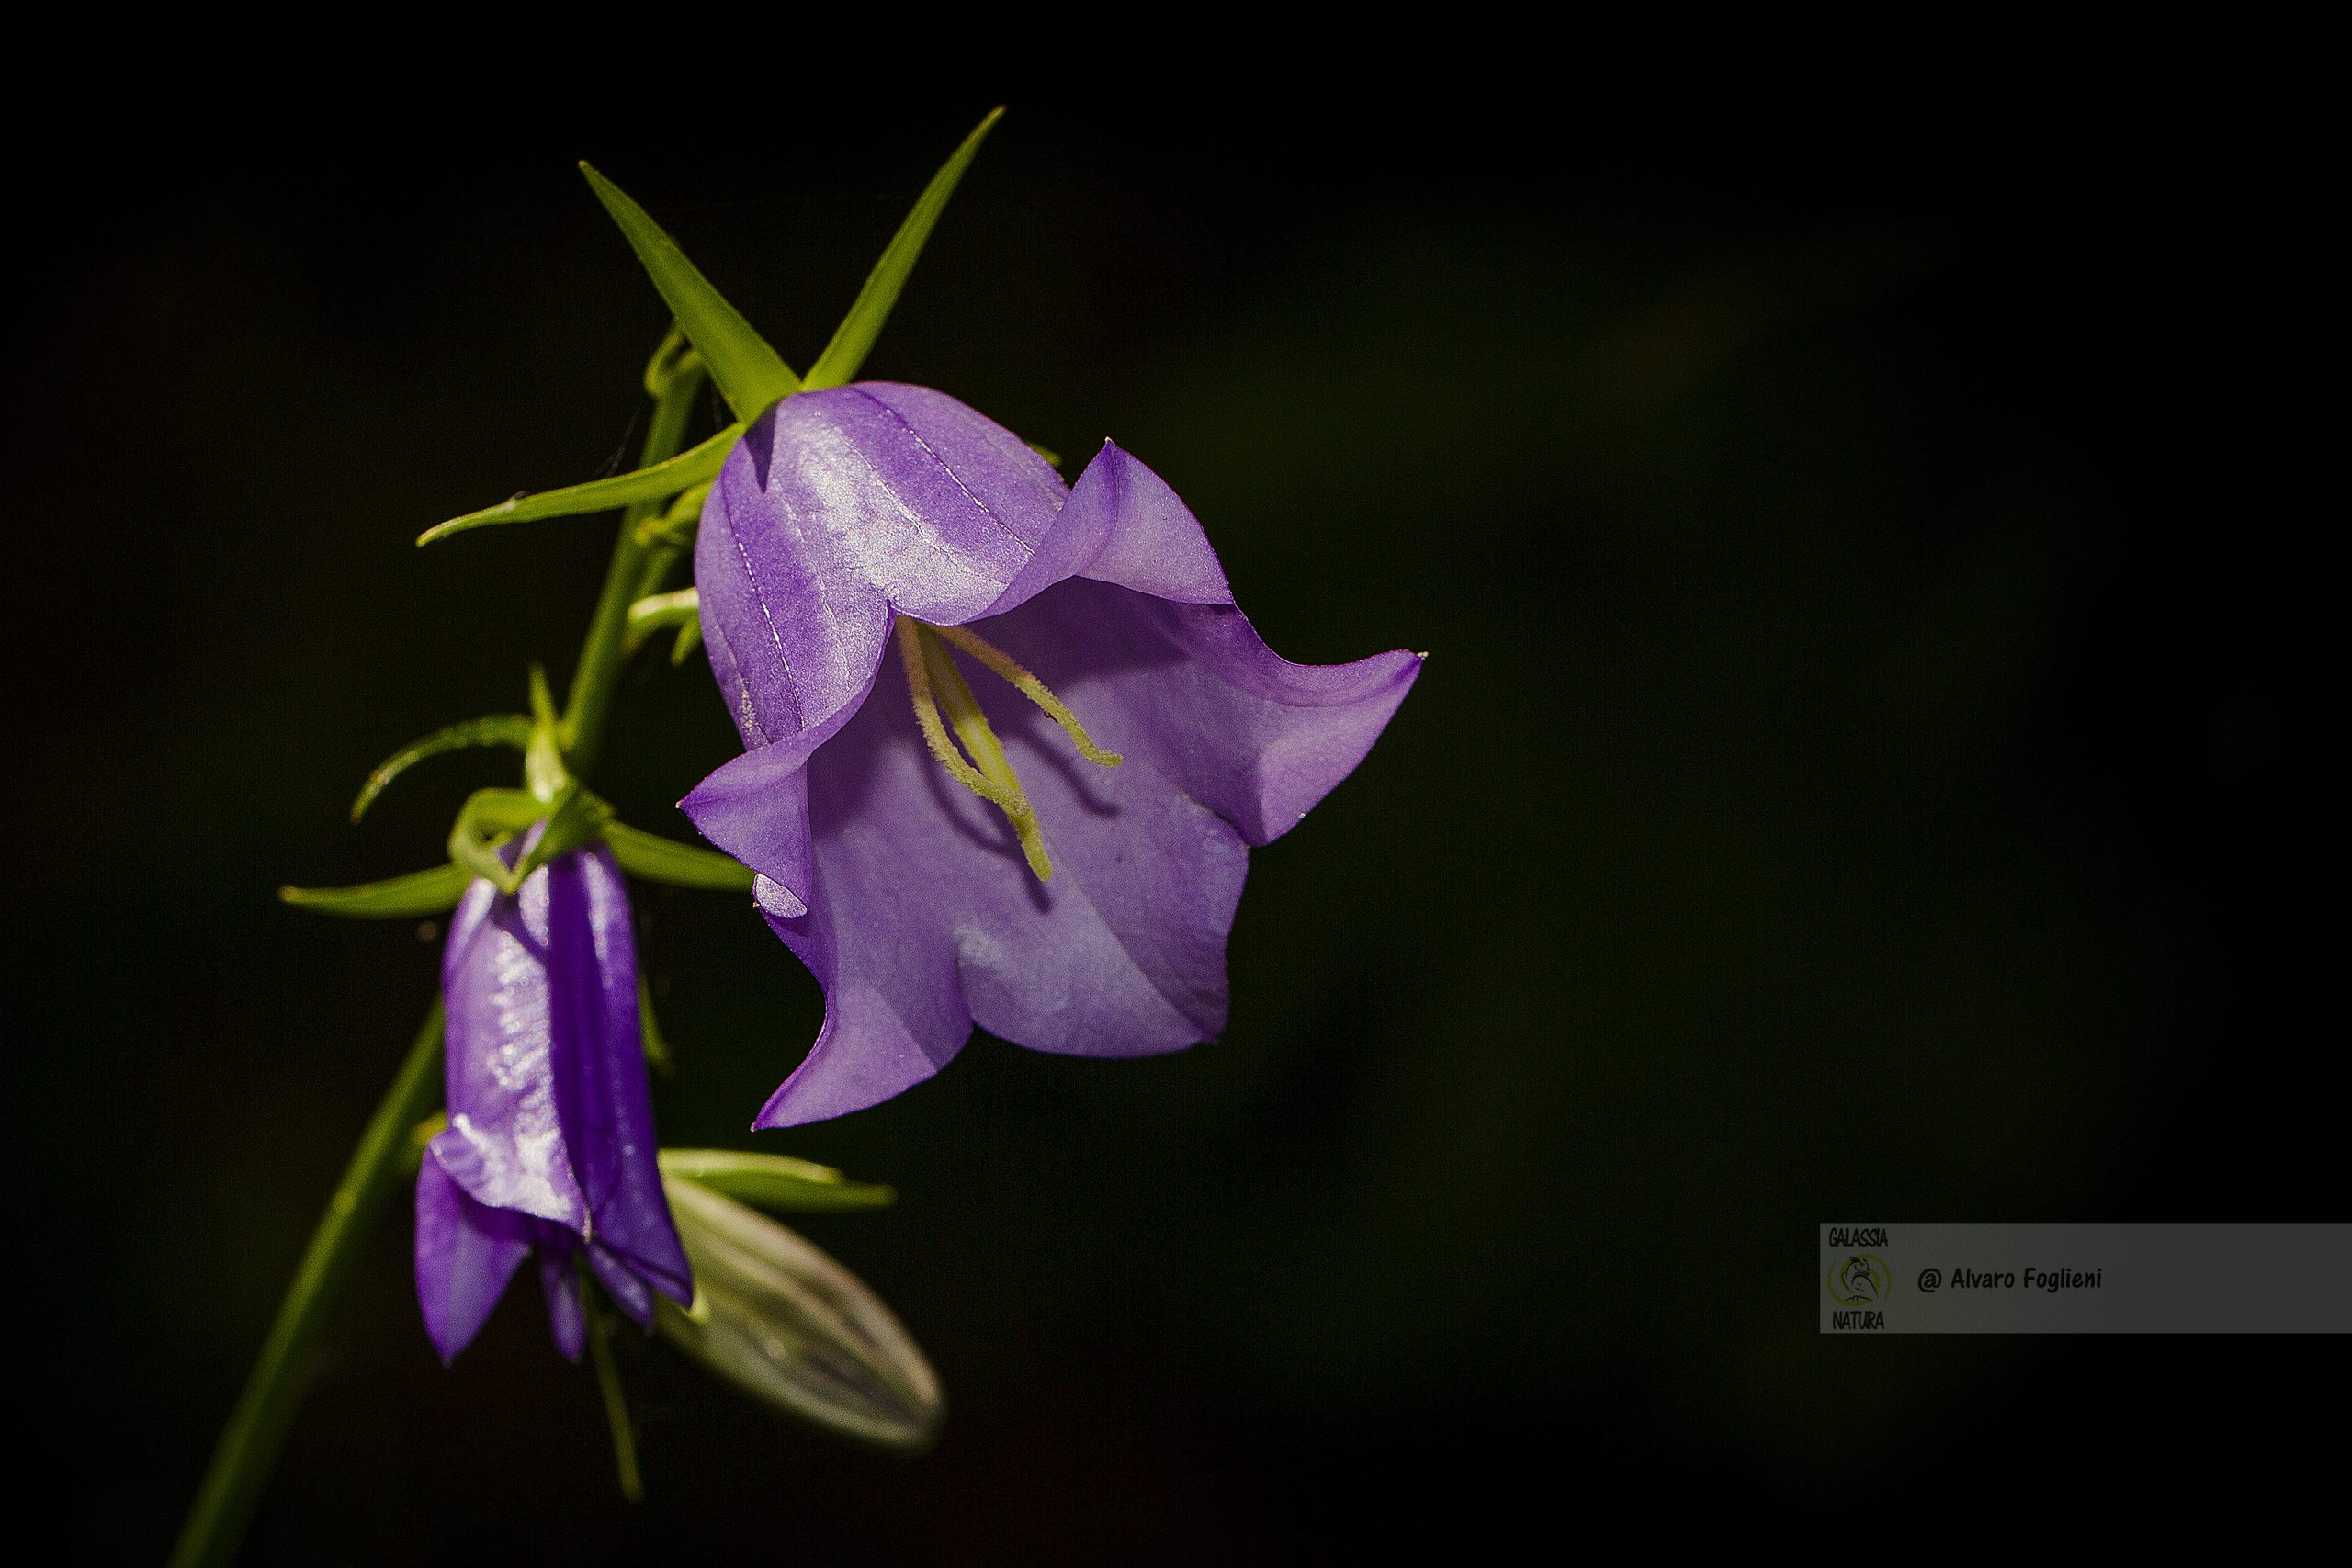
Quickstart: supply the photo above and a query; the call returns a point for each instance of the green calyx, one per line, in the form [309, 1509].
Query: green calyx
[750, 375]
[491, 818]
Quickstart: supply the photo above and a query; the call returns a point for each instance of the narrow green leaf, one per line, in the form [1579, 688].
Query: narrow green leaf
[838, 363]
[773, 1181]
[431, 892]
[696, 465]
[750, 375]
[496, 729]
[656, 859]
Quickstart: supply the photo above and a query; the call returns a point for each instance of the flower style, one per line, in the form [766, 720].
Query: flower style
[1053, 849]
[550, 1145]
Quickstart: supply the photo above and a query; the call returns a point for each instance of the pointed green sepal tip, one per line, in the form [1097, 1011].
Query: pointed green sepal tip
[660, 612]
[652, 858]
[493, 730]
[775, 1181]
[543, 773]
[845, 355]
[750, 375]
[696, 466]
[433, 892]
[655, 1044]
[419, 1137]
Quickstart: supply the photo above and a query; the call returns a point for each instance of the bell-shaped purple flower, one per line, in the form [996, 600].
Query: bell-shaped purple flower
[866, 550]
[550, 1146]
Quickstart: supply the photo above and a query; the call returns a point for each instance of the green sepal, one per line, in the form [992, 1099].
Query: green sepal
[658, 612]
[434, 892]
[656, 859]
[488, 818]
[773, 1181]
[493, 730]
[491, 816]
[575, 818]
[695, 466]
[838, 363]
[749, 373]
[678, 521]
[1052, 458]
[674, 357]
[689, 639]
[543, 773]
[419, 1137]
[656, 1044]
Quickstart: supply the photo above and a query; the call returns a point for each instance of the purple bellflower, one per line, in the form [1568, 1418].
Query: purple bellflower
[1125, 733]
[550, 1146]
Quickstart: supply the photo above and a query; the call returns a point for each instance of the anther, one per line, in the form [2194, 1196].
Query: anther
[1013, 675]
[932, 680]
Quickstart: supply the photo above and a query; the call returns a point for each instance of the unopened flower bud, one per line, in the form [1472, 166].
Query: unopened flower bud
[786, 1324]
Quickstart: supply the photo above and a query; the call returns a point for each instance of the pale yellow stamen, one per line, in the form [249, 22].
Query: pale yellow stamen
[931, 680]
[1028, 686]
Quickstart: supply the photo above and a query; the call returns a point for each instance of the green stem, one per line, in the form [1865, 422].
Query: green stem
[249, 1444]
[256, 1430]
[675, 379]
[608, 1383]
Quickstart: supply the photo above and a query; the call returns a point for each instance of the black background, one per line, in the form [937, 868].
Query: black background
[1867, 769]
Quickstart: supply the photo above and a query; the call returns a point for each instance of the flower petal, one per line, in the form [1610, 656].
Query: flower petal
[840, 507]
[504, 1142]
[1124, 524]
[1191, 691]
[903, 893]
[926, 917]
[632, 1295]
[756, 808]
[602, 1094]
[465, 1255]
[889, 1025]
[560, 1284]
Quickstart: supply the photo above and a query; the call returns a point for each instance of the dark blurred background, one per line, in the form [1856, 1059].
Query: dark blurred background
[1866, 770]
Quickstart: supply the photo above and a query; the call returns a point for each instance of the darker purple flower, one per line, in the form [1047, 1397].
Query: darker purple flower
[929, 644]
[550, 1146]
